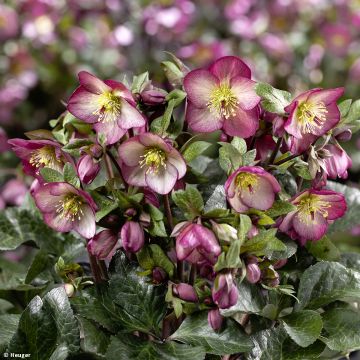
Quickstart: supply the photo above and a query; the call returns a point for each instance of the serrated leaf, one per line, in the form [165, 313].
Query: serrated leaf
[239, 144]
[189, 201]
[9, 324]
[304, 327]
[128, 347]
[196, 331]
[291, 248]
[70, 175]
[165, 121]
[139, 82]
[344, 107]
[323, 249]
[161, 259]
[73, 147]
[231, 259]
[230, 158]
[105, 205]
[273, 100]
[279, 208]
[342, 329]
[50, 175]
[326, 282]
[194, 150]
[350, 260]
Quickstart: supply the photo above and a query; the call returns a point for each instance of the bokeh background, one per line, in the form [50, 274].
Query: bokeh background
[292, 44]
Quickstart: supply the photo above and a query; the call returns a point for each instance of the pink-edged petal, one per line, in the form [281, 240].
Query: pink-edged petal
[130, 151]
[292, 124]
[119, 89]
[134, 175]
[149, 139]
[310, 228]
[163, 181]
[92, 84]
[229, 67]
[44, 201]
[202, 120]
[243, 88]
[262, 197]
[111, 130]
[230, 186]
[86, 226]
[286, 223]
[332, 119]
[58, 222]
[326, 96]
[237, 204]
[175, 159]
[61, 188]
[83, 105]
[335, 203]
[103, 244]
[130, 117]
[199, 84]
[244, 124]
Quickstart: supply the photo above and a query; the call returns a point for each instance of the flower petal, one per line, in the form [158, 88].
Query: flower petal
[310, 228]
[243, 88]
[163, 181]
[91, 83]
[111, 130]
[134, 175]
[130, 151]
[103, 244]
[175, 159]
[86, 226]
[199, 84]
[229, 67]
[326, 96]
[58, 222]
[130, 117]
[202, 120]
[244, 124]
[119, 89]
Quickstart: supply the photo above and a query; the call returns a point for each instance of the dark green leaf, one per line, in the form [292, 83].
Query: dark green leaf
[70, 175]
[161, 259]
[291, 248]
[189, 201]
[9, 324]
[139, 82]
[196, 331]
[195, 149]
[323, 249]
[350, 260]
[217, 199]
[280, 208]
[40, 263]
[73, 147]
[50, 175]
[273, 100]
[165, 122]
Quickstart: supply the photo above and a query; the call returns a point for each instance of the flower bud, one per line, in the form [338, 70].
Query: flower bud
[87, 169]
[104, 244]
[215, 319]
[224, 232]
[224, 292]
[69, 289]
[130, 212]
[270, 277]
[158, 275]
[253, 273]
[132, 236]
[96, 151]
[154, 96]
[342, 134]
[185, 292]
[253, 231]
[280, 263]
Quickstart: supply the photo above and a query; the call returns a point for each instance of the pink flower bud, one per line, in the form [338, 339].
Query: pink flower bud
[87, 169]
[158, 275]
[280, 263]
[13, 192]
[224, 232]
[153, 96]
[185, 292]
[253, 273]
[104, 244]
[96, 151]
[215, 320]
[338, 163]
[224, 292]
[132, 236]
[130, 212]
[69, 289]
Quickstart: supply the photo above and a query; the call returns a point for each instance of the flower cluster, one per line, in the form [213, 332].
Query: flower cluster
[192, 182]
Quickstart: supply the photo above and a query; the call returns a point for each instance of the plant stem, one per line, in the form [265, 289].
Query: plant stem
[192, 276]
[95, 269]
[103, 270]
[282, 161]
[108, 165]
[114, 161]
[276, 150]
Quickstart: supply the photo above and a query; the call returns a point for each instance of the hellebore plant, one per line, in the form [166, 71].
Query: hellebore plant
[207, 215]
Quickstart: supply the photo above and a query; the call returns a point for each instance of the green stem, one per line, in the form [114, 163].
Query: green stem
[276, 150]
[282, 161]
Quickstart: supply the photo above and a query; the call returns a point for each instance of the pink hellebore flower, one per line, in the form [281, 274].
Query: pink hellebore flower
[148, 160]
[104, 244]
[251, 187]
[313, 113]
[222, 97]
[185, 292]
[196, 243]
[315, 210]
[66, 208]
[36, 154]
[87, 168]
[338, 163]
[224, 292]
[14, 192]
[215, 319]
[108, 105]
[132, 236]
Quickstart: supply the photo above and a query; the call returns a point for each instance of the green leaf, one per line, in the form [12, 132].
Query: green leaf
[326, 282]
[352, 117]
[128, 347]
[304, 327]
[39, 264]
[73, 147]
[350, 260]
[105, 205]
[263, 243]
[342, 329]
[50, 175]
[251, 300]
[195, 149]
[165, 122]
[344, 107]
[196, 331]
[291, 248]
[172, 72]
[231, 259]
[9, 324]
[177, 95]
[249, 157]
[323, 249]
[273, 100]
[217, 199]
[230, 159]
[47, 327]
[189, 201]
[70, 175]
[161, 259]
[141, 305]
[351, 217]
[239, 144]
[244, 227]
[279, 208]
[139, 82]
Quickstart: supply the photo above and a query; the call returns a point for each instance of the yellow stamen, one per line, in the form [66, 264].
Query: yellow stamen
[109, 107]
[70, 207]
[154, 158]
[246, 180]
[311, 116]
[45, 156]
[309, 206]
[223, 101]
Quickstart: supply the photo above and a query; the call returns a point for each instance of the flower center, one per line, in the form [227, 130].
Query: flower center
[45, 156]
[223, 101]
[109, 107]
[311, 116]
[70, 207]
[310, 205]
[154, 159]
[246, 180]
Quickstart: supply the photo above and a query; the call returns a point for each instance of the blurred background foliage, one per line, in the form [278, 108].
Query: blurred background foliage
[292, 44]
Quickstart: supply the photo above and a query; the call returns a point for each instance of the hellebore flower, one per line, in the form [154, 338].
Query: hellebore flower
[253, 273]
[87, 168]
[222, 97]
[315, 210]
[104, 244]
[148, 160]
[313, 113]
[132, 236]
[107, 104]
[36, 154]
[215, 319]
[338, 163]
[251, 187]
[224, 292]
[66, 208]
[196, 243]
[185, 292]
[14, 192]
